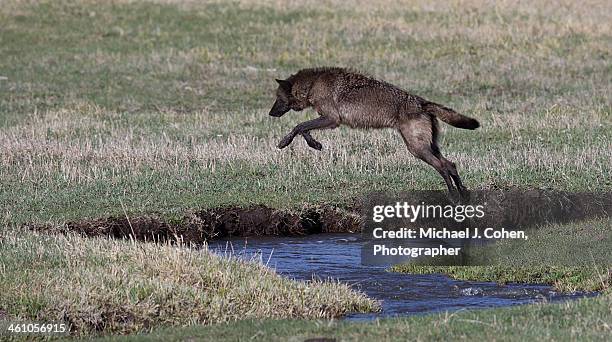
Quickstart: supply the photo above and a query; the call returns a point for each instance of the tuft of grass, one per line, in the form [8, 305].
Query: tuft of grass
[112, 286]
[563, 278]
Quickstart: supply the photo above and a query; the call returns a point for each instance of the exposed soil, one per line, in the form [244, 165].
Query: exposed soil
[199, 226]
[506, 208]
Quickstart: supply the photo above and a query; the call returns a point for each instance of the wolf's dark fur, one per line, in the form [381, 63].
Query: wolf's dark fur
[344, 97]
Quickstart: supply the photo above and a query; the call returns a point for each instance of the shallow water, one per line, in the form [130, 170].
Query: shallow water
[338, 257]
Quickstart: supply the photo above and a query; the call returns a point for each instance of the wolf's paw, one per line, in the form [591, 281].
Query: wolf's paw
[314, 144]
[461, 196]
[464, 194]
[285, 142]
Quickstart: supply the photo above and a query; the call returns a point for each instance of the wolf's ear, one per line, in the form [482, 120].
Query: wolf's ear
[284, 84]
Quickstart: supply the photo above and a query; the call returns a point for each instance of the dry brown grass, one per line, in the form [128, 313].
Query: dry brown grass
[46, 145]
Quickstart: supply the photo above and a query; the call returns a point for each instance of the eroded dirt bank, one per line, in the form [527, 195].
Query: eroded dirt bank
[198, 226]
[507, 208]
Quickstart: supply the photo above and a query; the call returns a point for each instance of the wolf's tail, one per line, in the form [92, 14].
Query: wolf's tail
[450, 116]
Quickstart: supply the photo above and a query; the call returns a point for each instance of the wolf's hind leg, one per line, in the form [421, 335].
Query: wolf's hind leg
[418, 136]
[452, 168]
[428, 157]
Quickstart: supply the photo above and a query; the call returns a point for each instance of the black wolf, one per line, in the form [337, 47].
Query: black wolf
[345, 97]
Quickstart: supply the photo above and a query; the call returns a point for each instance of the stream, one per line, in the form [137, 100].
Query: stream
[338, 257]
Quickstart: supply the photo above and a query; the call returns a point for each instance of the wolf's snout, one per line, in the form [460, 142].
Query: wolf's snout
[278, 109]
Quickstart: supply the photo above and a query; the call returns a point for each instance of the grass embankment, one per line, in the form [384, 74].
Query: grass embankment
[112, 286]
[571, 257]
[563, 278]
[129, 108]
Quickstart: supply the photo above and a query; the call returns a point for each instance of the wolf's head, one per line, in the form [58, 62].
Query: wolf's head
[285, 99]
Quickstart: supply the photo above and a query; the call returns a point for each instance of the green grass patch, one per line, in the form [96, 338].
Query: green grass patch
[571, 257]
[586, 319]
[566, 279]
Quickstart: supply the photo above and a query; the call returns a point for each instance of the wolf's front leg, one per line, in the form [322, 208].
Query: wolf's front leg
[312, 142]
[309, 140]
[303, 128]
[286, 140]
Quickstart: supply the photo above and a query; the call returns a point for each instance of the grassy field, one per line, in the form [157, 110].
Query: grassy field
[123, 108]
[586, 320]
[163, 106]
